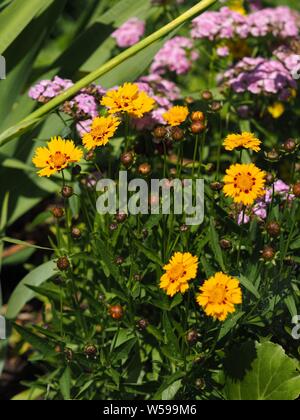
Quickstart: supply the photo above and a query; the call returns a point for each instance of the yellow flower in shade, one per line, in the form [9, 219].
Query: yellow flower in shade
[102, 129]
[237, 6]
[176, 115]
[276, 110]
[244, 183]
[245, 140]
[219, 295]
[181, 269]
[56, 156]
[128, 98]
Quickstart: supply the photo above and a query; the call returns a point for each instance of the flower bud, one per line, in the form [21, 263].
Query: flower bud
[216, 186]
[225, 244]
[67, 191]
[184, 228]
[198, 127]
[289, 145]
[145, 169]
[207, 95]
[296, 189]
[192, 337]
[272, 156]
[90, 156]
[119, 260]
[127, 159]
[268, 253]
[68, 354]
[142, 324]
[58, 212]
[216, 106]
[90, 351]
[76, 233]
[116, 311]
[113, 227]
[273, 229]
[121, 217]
[160, 132]
[197, 116]
[76, 170]
[200, 384]
[63, 264]
[177, 134]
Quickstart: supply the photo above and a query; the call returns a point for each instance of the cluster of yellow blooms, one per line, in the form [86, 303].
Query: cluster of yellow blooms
[218, 295]
[60, 153]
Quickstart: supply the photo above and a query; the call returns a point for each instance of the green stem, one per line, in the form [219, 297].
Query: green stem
[35, 117]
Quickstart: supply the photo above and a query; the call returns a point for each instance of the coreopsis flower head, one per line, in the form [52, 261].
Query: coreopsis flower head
[128, 98]
[176, 115]
[58, 155]
[276, 110]
[102, 129]
[219, 295]
[181, 269]
[129, 33]
[245, 140]
[244, 183]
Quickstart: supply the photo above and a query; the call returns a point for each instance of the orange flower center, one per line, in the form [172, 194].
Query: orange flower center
[244, 182]
[218, 295]
[177, 272]
[58, 160]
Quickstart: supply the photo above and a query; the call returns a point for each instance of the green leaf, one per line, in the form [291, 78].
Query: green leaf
[151, 255]
[22, 294]
[65, 384]
[215, 246]
[291, 305]
[170, 392]
[261, 371]
[229, 324]
[15, 18]
[40, 344]
[25, 244]
[249, 286]
[123, 351]
[4, 213]
[170, 338]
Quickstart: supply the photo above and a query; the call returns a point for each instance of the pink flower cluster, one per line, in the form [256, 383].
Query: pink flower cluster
[260, 76]
[177, 55]
[289, 58]
[46, 90]
[227, 24]
[129, 33]
[164, 92]
[278, 191]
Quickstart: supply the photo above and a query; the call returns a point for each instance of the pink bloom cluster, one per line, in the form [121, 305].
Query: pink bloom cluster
[129, 33]
[164, 92]
[260, 76]
[177, 55]
[227, 24]
[280, 190]
[289, 58]
[46, 90]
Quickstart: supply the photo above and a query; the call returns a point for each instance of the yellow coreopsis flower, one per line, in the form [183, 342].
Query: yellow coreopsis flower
[176, 115]
[102, 129]
[276, 110]
[237, 6]
[56, 156]
[244, 183]
[179, 271]
[219, 295]
[128, 98]
[245, 140]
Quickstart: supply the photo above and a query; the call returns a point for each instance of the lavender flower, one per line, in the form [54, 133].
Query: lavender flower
[177, 55]
[46, 90]
[129, 33]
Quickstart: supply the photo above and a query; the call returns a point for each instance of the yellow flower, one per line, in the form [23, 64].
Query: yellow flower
[102, 129]
[176, 115]
[244, 183]
[181, 269]
[219, 295]
[276, 110]
[246, 140]
[128, 98]
[56, 156]
[237, 6]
